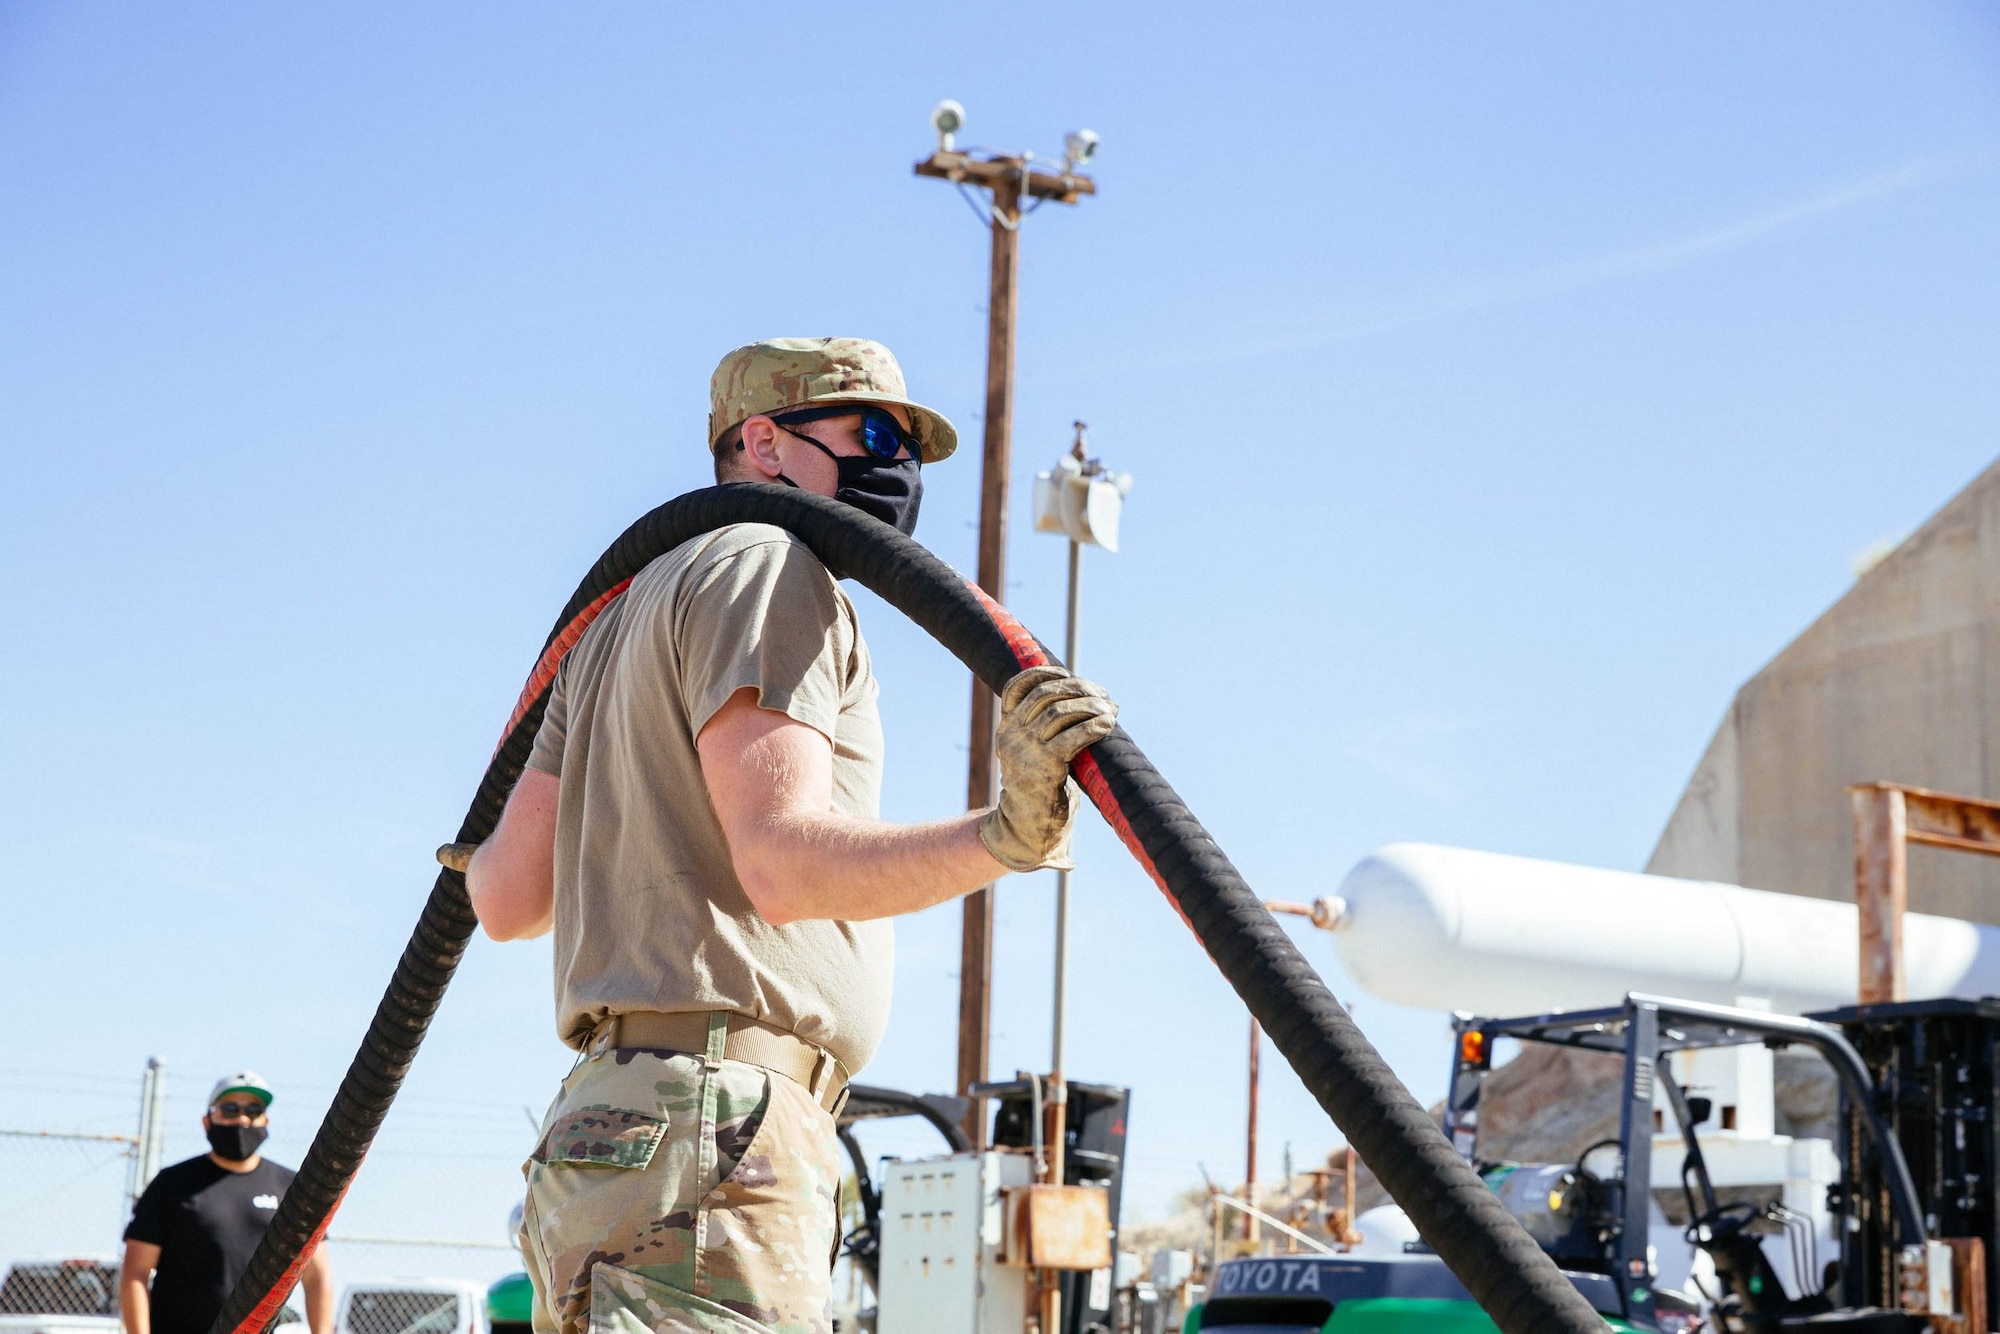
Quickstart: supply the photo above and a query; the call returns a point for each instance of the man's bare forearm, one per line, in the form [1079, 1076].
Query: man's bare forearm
[135, 1310]
[806, 867]
[319, 1294]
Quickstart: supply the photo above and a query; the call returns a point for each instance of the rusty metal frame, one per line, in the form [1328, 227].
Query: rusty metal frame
[1888, 817]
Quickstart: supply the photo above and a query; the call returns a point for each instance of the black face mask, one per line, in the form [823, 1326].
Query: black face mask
[236, 1144]
[891, 490]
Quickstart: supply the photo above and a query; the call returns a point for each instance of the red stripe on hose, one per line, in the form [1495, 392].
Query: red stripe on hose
[1027, 649]
[267, 1310]
[552, 656]
[1091, 779]
[1028, 653]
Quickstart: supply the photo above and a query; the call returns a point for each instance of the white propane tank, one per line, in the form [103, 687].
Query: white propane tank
[1453, 929]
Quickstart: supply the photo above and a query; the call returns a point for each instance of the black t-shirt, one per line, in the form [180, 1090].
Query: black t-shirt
[207, 1222]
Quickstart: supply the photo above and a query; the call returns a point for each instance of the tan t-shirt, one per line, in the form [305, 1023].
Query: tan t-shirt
[648, 911]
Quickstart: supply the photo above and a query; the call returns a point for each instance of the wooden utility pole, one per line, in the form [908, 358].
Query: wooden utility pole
[1008, 180]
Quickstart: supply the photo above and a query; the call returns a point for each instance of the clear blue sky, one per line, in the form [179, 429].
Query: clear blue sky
[1503, 387]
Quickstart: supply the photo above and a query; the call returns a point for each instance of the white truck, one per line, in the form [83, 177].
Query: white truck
[78, 1296]
[75, 1296]
[413, 1306]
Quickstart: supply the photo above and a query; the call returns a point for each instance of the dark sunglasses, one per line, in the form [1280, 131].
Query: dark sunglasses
[881, 434]
[253, 1110]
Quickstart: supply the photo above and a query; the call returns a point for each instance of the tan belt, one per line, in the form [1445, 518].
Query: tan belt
[753, 1041]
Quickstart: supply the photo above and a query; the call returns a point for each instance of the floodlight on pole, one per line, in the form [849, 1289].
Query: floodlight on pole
[1079, 147]
[947, 118]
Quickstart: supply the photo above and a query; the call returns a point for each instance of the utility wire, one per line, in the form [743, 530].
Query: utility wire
[983, 212]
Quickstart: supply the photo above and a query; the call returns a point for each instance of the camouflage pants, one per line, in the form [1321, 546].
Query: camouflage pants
[672, 1193]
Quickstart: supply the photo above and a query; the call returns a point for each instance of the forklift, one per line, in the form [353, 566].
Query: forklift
[1601, 1217]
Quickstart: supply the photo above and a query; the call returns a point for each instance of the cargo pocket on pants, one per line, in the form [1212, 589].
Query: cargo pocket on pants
[622, 1302]
[606, 1136]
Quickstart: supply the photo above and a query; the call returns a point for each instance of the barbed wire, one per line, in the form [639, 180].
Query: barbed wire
[33, 1199]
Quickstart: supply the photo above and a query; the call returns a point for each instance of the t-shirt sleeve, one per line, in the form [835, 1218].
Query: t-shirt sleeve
[766, 616]
[151, 1216]
[547, 755]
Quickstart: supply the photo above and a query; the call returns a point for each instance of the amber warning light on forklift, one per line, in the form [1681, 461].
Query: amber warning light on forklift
[1472, 1048]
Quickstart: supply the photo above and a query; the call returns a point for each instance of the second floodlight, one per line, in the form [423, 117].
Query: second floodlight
[947, 118]
[1079, 147]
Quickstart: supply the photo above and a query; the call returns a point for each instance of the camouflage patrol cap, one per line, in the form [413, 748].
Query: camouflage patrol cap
[780, 373]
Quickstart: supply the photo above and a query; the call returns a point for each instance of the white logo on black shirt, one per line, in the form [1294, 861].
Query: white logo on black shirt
[264, 1201]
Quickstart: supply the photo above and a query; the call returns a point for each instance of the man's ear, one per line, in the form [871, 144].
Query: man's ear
[760, 446]
[205, 1122]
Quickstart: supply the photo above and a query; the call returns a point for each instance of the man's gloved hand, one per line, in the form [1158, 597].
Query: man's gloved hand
[457, 856]
[1048, 716]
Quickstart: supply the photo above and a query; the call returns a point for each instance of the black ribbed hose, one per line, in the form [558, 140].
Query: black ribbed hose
[1488, 1250]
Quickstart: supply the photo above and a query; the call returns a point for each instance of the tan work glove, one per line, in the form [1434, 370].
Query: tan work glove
[1047, 716]
[457, 856]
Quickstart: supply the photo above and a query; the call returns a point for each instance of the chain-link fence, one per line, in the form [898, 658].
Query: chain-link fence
[417, 1311]
[63, 1194]
[359, 1257]
[433, 1204]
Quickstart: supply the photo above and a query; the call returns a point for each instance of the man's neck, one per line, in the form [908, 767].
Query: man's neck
[249, 1164]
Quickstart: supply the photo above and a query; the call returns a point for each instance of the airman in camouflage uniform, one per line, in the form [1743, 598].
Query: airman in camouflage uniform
[698, 826]
[706, 1199]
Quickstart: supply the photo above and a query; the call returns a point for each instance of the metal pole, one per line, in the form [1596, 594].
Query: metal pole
[1291, 1200]
[1056, 1137]
[1058, 1134]
[1881, 888]
[1062, 877]
[1251, 1232]
[133, 1168]
[975, 964]
[146, 1153]
[156, 1110]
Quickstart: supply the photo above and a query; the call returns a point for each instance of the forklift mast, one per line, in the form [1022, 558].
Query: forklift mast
[1936, 1070]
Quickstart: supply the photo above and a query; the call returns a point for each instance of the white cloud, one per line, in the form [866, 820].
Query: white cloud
[1414, 752]
[1557, 279]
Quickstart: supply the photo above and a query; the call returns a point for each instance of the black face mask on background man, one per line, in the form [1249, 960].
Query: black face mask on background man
[236, 1144]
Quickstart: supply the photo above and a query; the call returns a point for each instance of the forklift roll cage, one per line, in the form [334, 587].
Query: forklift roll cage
[1644, 1030]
